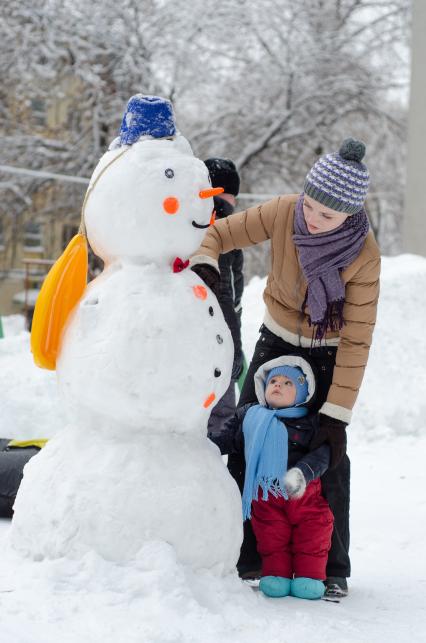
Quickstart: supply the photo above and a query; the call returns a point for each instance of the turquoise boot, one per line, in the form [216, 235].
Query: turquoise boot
[307, 588]
[275, 586]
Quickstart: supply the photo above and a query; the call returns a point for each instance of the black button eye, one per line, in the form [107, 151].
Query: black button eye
[217, 372]
[169, 173]
[211, 311]
[219, 339]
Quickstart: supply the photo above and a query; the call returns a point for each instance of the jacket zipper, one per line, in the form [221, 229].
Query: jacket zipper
[301, 314]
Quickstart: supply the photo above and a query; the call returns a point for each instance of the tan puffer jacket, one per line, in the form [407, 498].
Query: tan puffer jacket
[286, 287]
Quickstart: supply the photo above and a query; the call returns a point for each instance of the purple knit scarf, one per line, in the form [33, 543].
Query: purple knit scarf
[323, 256]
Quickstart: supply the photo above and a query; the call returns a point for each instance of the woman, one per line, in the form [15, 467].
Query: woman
[321, 301]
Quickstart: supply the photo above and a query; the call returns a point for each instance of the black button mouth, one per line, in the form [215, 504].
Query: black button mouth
[198, 225]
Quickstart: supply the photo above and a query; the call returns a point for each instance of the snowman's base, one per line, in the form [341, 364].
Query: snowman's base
[111, 497]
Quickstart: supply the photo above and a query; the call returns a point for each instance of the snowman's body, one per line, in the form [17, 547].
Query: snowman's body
[145, 356]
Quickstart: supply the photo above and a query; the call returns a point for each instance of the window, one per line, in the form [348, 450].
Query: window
[33, 237]
[38, 108]
[2, 242]
[68, 232]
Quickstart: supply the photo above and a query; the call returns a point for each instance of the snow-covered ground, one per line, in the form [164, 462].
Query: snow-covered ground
[156, 600]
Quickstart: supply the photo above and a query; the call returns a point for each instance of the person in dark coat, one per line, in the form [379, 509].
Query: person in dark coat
[223, 173]
[282, 489]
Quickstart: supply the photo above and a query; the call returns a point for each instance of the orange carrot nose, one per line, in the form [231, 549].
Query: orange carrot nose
[206, 194]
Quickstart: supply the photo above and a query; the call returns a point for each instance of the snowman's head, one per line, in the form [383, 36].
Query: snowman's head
[149, 199]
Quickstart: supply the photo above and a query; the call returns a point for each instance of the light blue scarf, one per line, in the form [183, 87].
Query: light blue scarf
[266, 452]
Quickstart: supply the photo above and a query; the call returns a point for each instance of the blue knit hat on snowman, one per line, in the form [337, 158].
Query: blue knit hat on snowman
[147, 116]
[297, 376]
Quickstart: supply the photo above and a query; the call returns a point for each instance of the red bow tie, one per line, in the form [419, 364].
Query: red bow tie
[179, 265]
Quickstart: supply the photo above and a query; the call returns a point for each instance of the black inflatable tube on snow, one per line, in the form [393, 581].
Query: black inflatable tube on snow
[12, 463]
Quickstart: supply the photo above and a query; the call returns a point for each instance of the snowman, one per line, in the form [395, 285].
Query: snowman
[144, 357]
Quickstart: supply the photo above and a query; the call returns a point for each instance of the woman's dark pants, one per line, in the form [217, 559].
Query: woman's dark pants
[335, 483]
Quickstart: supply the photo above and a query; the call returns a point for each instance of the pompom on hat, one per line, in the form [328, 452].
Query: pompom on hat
[297, 376]
[147, 116]
[339, 180]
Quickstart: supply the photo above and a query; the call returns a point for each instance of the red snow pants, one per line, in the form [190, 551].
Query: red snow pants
[293, 536]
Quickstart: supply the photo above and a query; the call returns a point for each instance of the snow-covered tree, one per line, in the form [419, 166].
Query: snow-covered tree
[270, 84]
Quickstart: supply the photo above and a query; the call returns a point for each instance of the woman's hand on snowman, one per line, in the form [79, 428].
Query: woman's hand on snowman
[332, 432]
[295, 483]
[209, 274]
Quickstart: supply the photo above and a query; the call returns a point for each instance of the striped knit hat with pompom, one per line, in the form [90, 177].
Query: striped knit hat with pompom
[340, 181]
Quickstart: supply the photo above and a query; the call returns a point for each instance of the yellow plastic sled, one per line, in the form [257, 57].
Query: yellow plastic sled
[61, 291]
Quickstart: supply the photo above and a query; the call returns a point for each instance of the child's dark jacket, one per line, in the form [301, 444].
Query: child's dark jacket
[300, 433]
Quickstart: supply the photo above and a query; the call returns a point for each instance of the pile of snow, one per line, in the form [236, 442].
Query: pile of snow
[392, 399]
[30, 405]
[13, 325]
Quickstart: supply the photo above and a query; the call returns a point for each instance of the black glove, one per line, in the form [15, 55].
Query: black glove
[237, 369]
[333, 432]
[209, 275]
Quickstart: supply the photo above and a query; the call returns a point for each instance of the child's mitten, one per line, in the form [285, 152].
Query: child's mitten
[295, 483]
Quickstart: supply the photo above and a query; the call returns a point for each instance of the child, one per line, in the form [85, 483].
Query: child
[291, 520]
